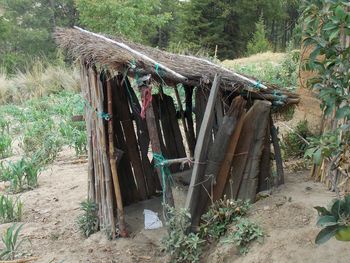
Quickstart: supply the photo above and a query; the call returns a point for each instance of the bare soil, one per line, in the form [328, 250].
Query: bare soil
[50, 211]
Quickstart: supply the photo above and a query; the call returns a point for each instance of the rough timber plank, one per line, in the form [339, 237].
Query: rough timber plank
[201, 151]
[249, 182]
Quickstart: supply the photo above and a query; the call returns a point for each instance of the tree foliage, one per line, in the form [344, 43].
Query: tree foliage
[259, 42]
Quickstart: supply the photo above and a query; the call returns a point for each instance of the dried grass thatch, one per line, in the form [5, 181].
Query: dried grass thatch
[171, 68]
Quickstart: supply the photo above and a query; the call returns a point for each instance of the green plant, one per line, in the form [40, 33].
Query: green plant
[242, 233]
[259, 42]
[220, 215]
[88, 221]
[326, 145]
[10, 209]
[335, 222]
[11, 242]
[74, 134]
[182, 246]
[5, 139]
[22, 174]
[294, 143]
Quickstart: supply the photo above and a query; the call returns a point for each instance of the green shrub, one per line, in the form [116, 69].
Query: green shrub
[243, 232]
[22, 174]
[181, 246]
[293, 146]
[11, 242]
[5, 139]
[220, 215]
[88, 221]
[10, 209]
[74, 134]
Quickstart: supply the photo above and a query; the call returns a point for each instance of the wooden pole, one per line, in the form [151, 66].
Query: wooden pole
[156, 146]
[200, 153]
[113, 163]
[184, 124]
[278, 154]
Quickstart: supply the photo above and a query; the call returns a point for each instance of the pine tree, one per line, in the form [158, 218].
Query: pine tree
[259, 42]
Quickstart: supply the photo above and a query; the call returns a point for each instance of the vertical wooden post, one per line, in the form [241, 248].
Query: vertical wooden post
[278, 154]
[113, 163]
[200, 153]
[156, 146]
[192, 137]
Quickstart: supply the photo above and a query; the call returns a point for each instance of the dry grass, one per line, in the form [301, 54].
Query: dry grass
[267, 57]
[40, 80]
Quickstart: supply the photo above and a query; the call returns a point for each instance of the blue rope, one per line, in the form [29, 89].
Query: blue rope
[103, 115]
[162, 164]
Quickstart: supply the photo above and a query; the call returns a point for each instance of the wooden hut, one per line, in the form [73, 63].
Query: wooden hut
[220, 129]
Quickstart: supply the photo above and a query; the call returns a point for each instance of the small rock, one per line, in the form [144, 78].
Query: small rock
[308, 188]
[266, 208]
[90, 250]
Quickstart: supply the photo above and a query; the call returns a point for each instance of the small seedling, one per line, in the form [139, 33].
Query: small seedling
[10, 209]
[11, 242]
[88, 221]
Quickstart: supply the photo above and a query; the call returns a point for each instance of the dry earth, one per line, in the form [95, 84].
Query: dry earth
[50, 213]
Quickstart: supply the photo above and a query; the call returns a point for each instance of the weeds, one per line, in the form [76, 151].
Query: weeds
[88, 221]
[11, 242]
[22, 174]
[243, 233]
[10, 209]
[293, 143]
[181, 246]
[220, 215]
[5, 139]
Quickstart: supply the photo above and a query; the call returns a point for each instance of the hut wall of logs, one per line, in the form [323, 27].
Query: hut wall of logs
[220, 132]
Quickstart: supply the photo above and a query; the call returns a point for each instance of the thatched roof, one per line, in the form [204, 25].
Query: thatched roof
[135, 59]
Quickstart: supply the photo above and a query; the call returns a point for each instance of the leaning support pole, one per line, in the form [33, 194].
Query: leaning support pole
[200, 154]
[113, 162]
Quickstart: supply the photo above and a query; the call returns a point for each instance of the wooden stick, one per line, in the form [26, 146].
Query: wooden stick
[113, 163]
[277, 151]
[136, 53]
[106, 171]
[156, 148]
[200, 154]
[184, 124]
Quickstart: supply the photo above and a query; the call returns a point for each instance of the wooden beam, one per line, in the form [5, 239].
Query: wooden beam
[201, 151]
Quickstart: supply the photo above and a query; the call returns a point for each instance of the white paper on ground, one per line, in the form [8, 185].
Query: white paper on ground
[152, 220]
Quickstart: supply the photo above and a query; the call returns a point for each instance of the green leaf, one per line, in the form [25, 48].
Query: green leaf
[322, 211]
[343, 112]
[317, 157]
[327, 220]
[340, 13]
[325, 234]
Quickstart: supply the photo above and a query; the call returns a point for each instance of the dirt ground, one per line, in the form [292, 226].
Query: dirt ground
[50, 213]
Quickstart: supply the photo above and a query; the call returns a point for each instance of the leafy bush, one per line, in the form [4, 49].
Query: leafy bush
[293, 145]
[220, 215]
[22, 174]
[88, 221]
[10, 209]
[74, 134]
[181, 246]
[243, 233]
[335, 222]
[11, 242]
